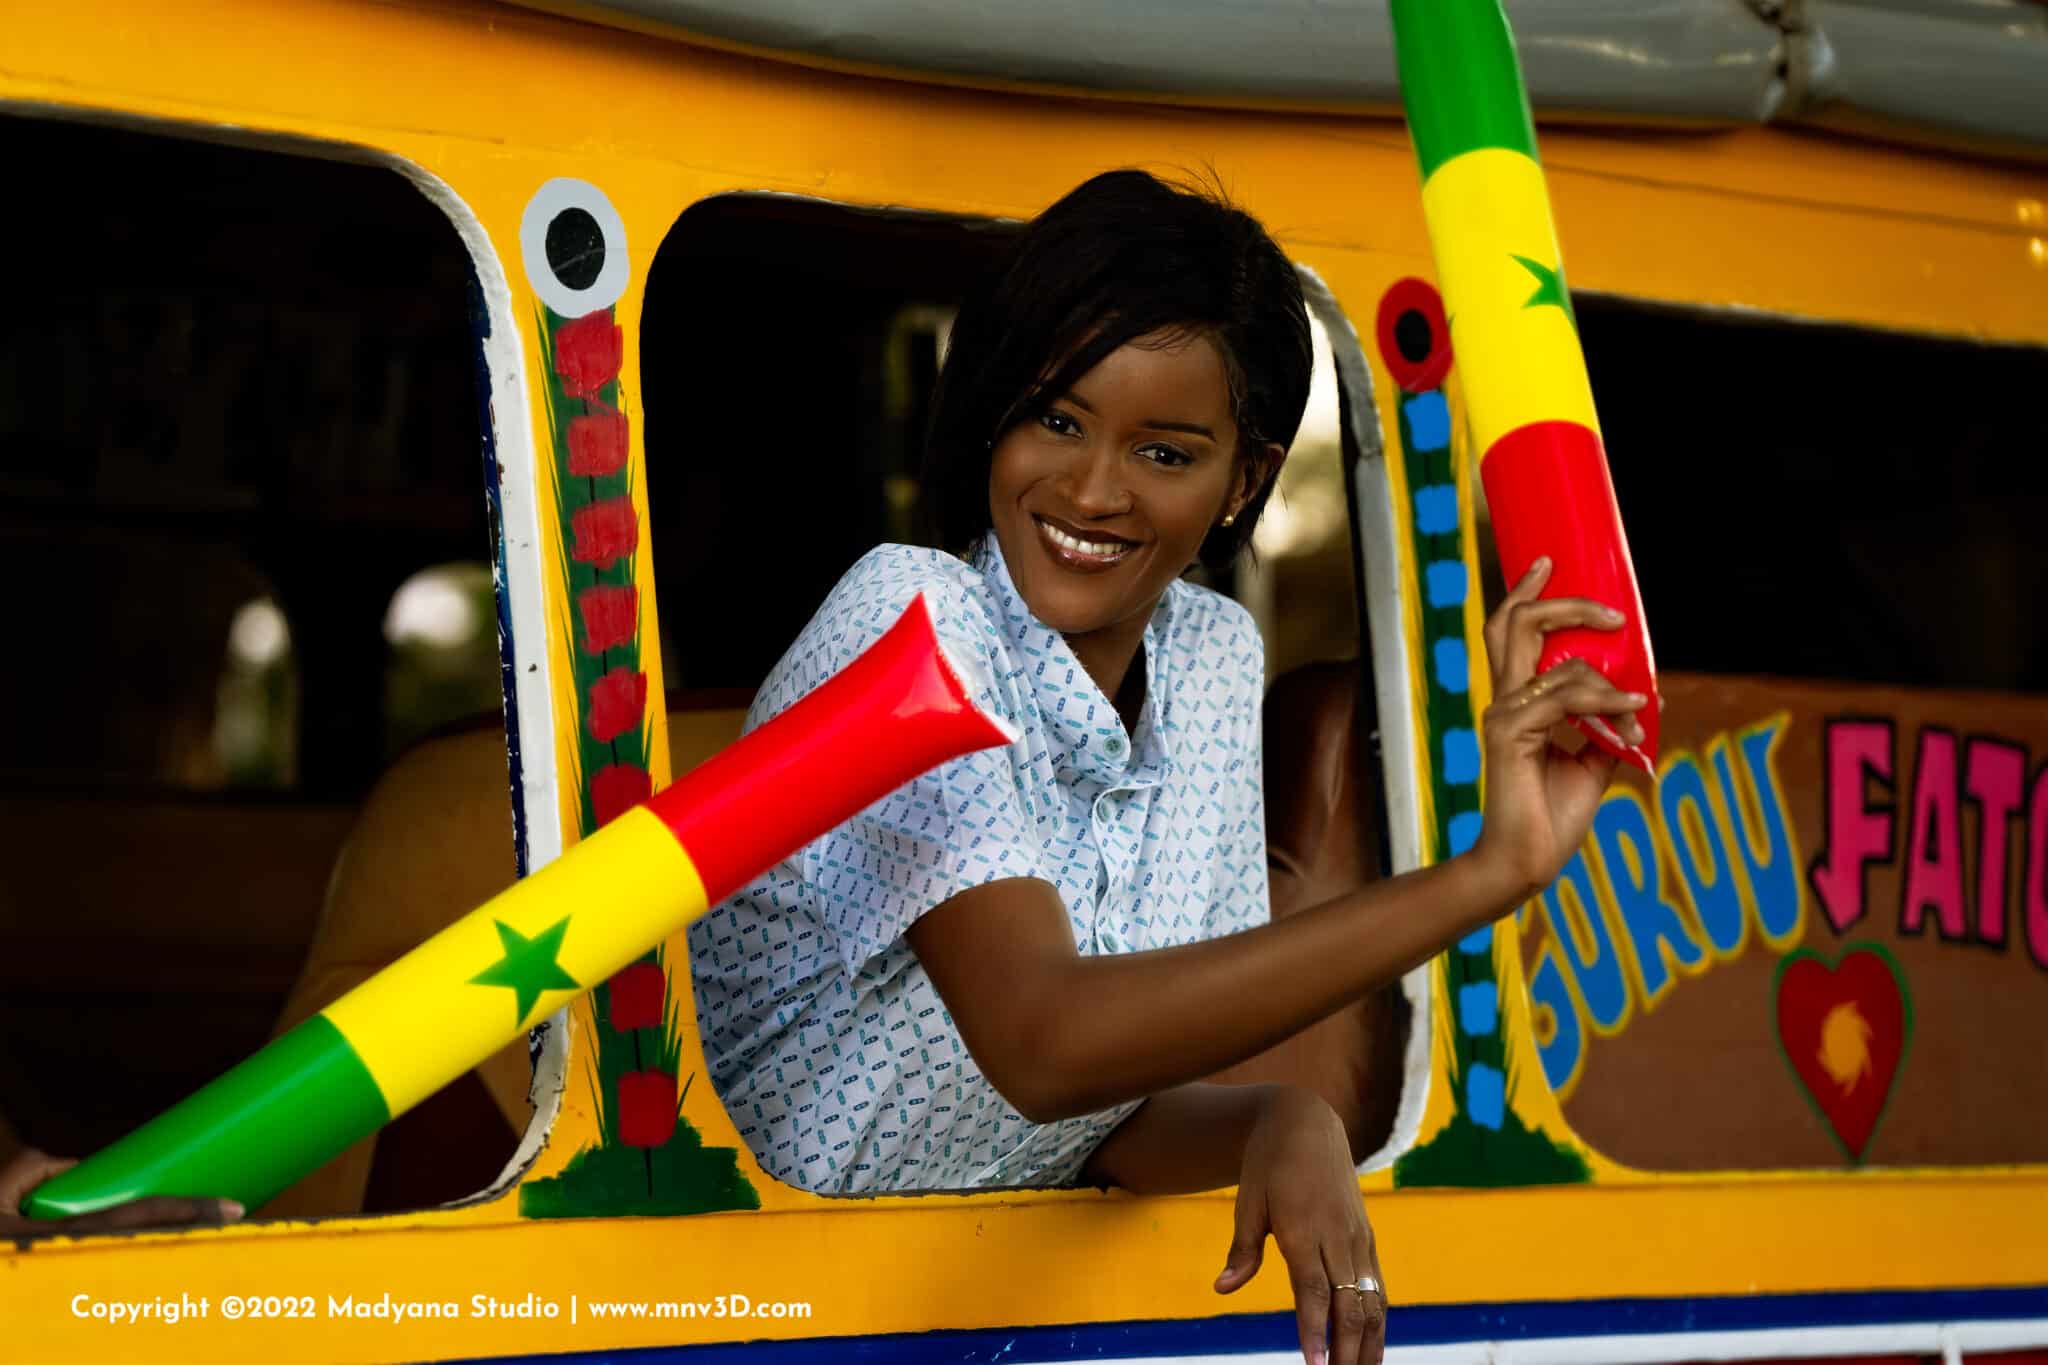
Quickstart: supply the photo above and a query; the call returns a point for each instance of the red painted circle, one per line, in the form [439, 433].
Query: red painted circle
[1414, 339]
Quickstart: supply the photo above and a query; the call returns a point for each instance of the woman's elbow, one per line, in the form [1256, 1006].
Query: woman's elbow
[1042, 1082]
[1037, 1091]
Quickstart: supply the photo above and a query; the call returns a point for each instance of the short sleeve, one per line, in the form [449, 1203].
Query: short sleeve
[957, 826]
[1241, 898]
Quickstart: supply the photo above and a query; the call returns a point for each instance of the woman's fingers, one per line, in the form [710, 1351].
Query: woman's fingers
[1573, 688]
[1531, 621]
[1311, 1302]
[1496, 630]
[1247, 1242]
[1358, 1318]
[1376, 1337]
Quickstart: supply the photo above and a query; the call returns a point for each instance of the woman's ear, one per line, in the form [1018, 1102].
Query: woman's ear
[1258, 469]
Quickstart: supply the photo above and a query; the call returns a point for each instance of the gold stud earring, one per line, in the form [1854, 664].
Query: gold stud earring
[1229, 519]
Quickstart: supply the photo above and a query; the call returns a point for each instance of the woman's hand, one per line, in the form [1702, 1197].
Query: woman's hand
[1299, 1185]
[1540, 800]
[31, 1168]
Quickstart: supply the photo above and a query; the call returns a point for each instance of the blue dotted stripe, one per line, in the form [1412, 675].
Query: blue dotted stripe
[1453, 669]
[1446, 584]
[1452, 742]
[1436, 510]
[1429, 420]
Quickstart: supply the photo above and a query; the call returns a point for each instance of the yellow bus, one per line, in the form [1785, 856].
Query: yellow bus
[383, 377]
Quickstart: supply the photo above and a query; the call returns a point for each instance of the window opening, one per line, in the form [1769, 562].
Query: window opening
[1298, 582]
[1866, 504]
[797, 345]
[255, 730]
[237, 412]
[441, 628]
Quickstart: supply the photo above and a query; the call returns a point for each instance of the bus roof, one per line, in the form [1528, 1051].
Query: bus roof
[1960, 73]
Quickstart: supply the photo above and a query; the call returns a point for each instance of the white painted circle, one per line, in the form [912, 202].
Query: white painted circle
[552, 199]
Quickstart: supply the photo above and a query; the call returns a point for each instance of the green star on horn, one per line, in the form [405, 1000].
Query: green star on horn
[529, 968]
[1550, 290]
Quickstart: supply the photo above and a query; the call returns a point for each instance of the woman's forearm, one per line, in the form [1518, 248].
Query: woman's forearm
[1189, 1138]
[1117, 1027]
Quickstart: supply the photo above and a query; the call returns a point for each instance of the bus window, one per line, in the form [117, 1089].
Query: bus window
[237, 413]
[790, 350]
[1865, 504]
[441, 629]
[1816, 941]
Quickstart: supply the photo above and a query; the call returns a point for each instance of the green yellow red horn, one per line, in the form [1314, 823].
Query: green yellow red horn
[897, 710]
[1522, 371]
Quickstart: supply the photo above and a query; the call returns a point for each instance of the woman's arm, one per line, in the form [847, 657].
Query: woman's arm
[1059, 1034]
[1187, 1139]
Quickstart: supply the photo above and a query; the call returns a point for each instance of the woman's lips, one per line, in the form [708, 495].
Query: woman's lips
[1080, 554]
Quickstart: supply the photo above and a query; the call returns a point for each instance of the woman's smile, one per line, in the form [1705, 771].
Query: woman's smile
[1081, 551]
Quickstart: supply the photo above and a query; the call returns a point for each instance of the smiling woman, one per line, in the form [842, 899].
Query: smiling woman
[1022, 968]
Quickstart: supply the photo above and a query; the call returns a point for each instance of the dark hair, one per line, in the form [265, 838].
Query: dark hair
[1121, 256]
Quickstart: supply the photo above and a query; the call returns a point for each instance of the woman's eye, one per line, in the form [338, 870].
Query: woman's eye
[1166, 455]
[1058, 423]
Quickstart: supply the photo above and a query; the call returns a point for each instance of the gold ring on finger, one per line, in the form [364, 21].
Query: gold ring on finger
[1364, 1284]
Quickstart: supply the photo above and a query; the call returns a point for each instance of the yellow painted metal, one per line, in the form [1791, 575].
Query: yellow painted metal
[480, 105]
[1490, 214]
[426, 1019]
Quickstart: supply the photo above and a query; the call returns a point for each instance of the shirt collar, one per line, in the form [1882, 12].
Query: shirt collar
[1084, 732]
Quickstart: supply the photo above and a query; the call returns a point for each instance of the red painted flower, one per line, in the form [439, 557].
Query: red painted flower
[606, 532]
[588, 352]
[647, 1108]
[616, 703]
[597, 444]
[610, 617]
[616, 789]
[636, 995]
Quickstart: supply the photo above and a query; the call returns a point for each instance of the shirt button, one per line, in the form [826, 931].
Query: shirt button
[1115, 744]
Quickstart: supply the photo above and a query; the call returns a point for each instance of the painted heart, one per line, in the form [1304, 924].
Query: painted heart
[1844, 1028]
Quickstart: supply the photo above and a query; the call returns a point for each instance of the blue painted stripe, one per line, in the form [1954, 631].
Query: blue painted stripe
[1479, 1007]
[1407, 1325]
[1477, 942]
[1486, 1095]
[1461, 757]
[1429, 421]
[1464, 831]
[1453, 667]
[1445, 580]
[1436, 509]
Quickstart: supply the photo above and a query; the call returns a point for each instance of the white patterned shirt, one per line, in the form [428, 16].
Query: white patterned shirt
[835, 1056]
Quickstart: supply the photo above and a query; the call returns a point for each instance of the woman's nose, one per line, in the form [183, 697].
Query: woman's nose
[1095, 481]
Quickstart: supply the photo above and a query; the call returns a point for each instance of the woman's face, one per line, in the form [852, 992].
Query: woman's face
[1105, 499]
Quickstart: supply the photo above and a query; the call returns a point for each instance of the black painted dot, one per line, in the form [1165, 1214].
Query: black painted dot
[1412, 333]
[575, 248]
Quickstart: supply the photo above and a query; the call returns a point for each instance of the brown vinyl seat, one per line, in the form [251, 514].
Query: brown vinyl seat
[1322, 840]
[434, 840]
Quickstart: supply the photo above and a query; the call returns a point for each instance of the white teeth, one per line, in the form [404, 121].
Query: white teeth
[1093, 549]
